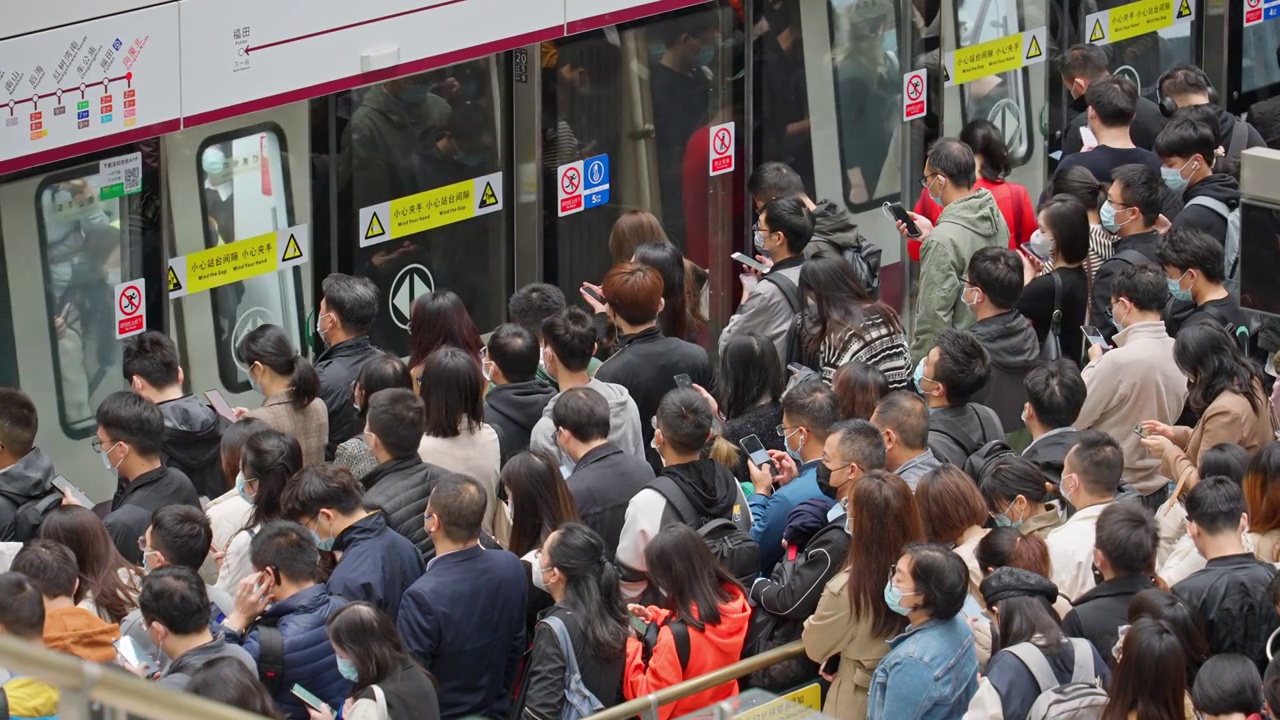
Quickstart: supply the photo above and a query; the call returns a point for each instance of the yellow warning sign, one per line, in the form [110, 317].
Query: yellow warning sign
[431, 209]
[994, 57]
[1184, 10]
[1097, 33]
[238, 261]
[291, 249]
[489, 198]
[1137, 18]
[795, 705]
[375, 228]
[1033, 50]
[174, 283]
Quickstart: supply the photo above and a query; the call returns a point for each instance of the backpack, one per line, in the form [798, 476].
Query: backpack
[791, 293]
[1081, 699]
[1051, 348]
[31, 514]
[865, 260]
[978, 455]
[1231, 246]
[679, 635]
[981, 461]
[578, 700]
[270, 654]
[733, 548]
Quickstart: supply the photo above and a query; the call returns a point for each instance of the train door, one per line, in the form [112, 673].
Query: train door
[69, 237]
[1244, 40]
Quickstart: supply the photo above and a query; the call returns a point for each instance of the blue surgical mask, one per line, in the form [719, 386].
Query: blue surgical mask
[705, 56]
[786, 443]
[213, 161]
[146, 555]
[893, 598]
[414, 94]
[240, 481]
[1173, 178]
[106, 460]
[919, 376]
[1107, 213]
[937, 199]
[1003, 521]
[347, 669]
[326, 544]
[253, 383]
[1175, 288]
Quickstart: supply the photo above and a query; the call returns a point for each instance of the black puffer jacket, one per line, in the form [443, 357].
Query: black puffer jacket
[400, 488]
[793, 594]
[338, 367]
[1230, 596]
[192, 436]
[512, 410]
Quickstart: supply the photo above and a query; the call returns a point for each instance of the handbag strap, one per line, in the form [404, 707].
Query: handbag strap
[380, 698]
[566, 646]
[1055, 322]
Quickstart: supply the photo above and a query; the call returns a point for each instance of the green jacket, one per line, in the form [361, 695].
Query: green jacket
[964, 227]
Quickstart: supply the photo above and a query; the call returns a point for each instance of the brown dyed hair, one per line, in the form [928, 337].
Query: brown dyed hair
[949, 504]
[859, 388]
[634, 292]
[633, 229]
[1007, 547]
[1262, 489]
[883, 519]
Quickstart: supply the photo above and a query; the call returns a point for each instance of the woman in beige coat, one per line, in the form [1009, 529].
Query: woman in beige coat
[852, 620]
[290, 387]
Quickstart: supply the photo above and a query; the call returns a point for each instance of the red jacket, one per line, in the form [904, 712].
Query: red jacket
[716, 647]
[1013, 200]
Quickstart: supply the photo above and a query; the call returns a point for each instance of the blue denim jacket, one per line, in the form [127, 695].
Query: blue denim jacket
[930, 673]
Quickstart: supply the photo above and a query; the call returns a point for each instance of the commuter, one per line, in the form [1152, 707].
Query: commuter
[809, 413]
[439, 319]
[1228, 687]
[1022, 602]
[463, 620]
[858, 388]
[1261, 488]
[749, 393]
[948, 377]
[192, 429]
[1231, 460]
[375, 563]
[852, 622]
[1113, 107]
[576, 572]
[1016, 496]
[387, 683]
[128, 439]
[782, 233]
[401, 482]
[970, 221]
[604, 479]
[347, 310]
[26, 472]
[1230, 593]
[268, 463]
[684, 425]
[1080, 184]
[538, 500]
[514, 404]
[1187, 86]
[1147, 681]
[1125, 555]
[1081, 65]
[1064, 292]
[992, 286]
[1186, 624]
[290, 387]
[702, 606]
[639, 227]
[108, 583]
[568, 341]
[1006, 547]
[230, 511]
[172, 606]
[1055, 393]
[1130, 211]
[952, 513]
[1225, 390]
[1194, 258]
[681, 317]
[282, 596]
[228, 681]
[378, 373]
[903, 420]
[1090, 477]
[846, 325]
[67, 628]
[1188, 151]
[22, 616]
[534, 304]
[646, 361]
[931, 669]
[1136, 380]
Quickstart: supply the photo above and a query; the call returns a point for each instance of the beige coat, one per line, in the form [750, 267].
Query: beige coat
[1042, 523]
[1228, 419]
[477, 455]
[833, 630]
[310, 425]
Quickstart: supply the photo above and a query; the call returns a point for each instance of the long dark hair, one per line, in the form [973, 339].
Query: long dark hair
[1025, 617]
[439, 319]
[840, 303]
[750, 369]
[271, 346]
[228, 681]
[97, 558]
[368, 637]
[1186, 624]
[883, 519]
[1078, 182]
[383, 371]
[591, 588]
[540, 500]
[272, 458]
[456, 394]
[673, 321]
[1147, 679]
[1214, 364]
[694, 583]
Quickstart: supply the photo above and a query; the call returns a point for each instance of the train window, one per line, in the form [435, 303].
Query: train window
[1260, 61]
[1003, 99]
[245, 193]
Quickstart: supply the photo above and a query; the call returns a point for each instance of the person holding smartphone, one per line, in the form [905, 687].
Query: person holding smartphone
[1064, 223]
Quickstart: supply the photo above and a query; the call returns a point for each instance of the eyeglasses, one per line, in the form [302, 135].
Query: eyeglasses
[924, 181]
[96, 444]
[784, 431]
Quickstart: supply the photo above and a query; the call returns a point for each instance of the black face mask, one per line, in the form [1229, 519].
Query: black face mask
[824, 481]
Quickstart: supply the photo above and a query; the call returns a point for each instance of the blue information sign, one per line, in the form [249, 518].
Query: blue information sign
[595, 191]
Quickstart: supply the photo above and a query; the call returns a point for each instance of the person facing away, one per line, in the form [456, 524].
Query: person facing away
[903, 420]
[1083, 64]
[381, 372]
[1055, 392]
[290, 389]
[67, 628]
[192, 429]
[1090, 477]
[173, 607]
[1193, 268]
[948, 377]
[26, 472]
[970, 220]
[992, 285]
[371, 655]
[268, 461]
[517, 397]
[464, 619]
[531, 306]
[1113, 106]
[1130, 211]
[1228, 687]
[22, 617]
[347, 310]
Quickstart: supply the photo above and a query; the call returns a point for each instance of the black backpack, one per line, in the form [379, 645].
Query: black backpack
[29, 515]
[732, 547]
[978, 455]
[679, 634]
[270, 654]
[863, 257]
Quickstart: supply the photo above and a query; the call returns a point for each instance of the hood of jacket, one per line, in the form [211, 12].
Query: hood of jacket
[726, 637]
[710, 486]
[833, 229]
[29, 478]
[977, 214]
[1218, 186]
[616, 395]
[81, 633]
[520, 403]
[192, 431]
[1010, 340]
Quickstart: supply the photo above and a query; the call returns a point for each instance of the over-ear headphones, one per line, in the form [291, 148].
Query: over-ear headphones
[1167, 106]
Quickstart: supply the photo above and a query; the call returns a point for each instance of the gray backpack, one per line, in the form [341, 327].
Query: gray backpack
[1081, 699]
[578, 700]
[1231, 246]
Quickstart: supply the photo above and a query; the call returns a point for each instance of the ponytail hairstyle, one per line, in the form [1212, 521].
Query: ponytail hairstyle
[269, 458]
[269, 346]
[592, 590]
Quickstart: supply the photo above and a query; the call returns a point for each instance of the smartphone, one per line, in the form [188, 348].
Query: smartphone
[309, 698]
[832, 665]
[1139, 430]
[220, 404]
[128, 649]
[752, 446]
[750, 262]
[901, 215]
[683, 380]
[795, 368]
[67, 487]
[592, 292]
[1094, 335]
[1035, 252]
[640, 625]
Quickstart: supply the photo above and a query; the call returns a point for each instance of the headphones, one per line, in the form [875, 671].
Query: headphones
[1167, 106]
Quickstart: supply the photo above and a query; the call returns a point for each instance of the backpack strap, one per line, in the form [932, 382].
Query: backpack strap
[1082, 670]
[680, 634]
[1213, 204]
[1239, 138]
[789, 290]
[270, 656]
[566, 646]
[380, 699]
[667, 488]
[1033, 658]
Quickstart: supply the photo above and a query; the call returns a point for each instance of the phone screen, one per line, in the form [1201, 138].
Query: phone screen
[750, 262]
[755, 450]
[67, 487]
[1094, 335]
[132, 654]
[683, 380]
[220, 405]
[640, 625]
[308, 697]
[901, 215]
[1035, 252]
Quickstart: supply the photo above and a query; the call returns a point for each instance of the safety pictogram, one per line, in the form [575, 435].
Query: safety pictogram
[1097, 33]
[1184, 10]
[174, 282]
[375, 228]
[131, 314]
[1255, 13]
[410, 215]
[914, 84]
[489, 198]
[569, 188]
[412, 282]
[722, 144]
[291, 249]
[570, 181]
[1033, 49]
[1137, 18]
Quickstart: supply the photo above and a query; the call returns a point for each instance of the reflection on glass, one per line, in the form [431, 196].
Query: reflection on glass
[1260, 61]
[1003, 99]
[1259, 257]
[781, 94]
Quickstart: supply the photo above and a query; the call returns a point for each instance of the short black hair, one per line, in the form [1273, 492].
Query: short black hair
[963, 365]
[132, 419]
[320, 486]
[997, 271]
[941, 578]
[182, 534]
[812, 404]
[1183, 137]
[1127, 536]
[1084, 60]
[176, 598]
[1227, 684]
[1183, 80]
[397, 417]
[1143, 285]
[287, 548]
[514, 349]
[50, 565]
[1114, 100]
[789, 216]
[1056, 391]
[1215, 504]
[21, 607]
[532, 304]
[774, 180]
[955, 160]
[571, 336]
[1098, 461]
[583, 412]
[1141, 188]
[1186, 248]
[459, 503]
[860, 443]
[907, 415]
[684, 418]
[153, 357]
[353, 299]
[18, 421]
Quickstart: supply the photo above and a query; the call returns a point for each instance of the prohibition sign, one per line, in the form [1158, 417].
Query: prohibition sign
[915, 88]
[722, 141]
[130, 300]
[570, 182]
[1254, 3]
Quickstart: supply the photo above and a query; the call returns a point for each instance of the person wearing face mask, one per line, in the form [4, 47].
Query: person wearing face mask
[1082, 65]
[1130, 212]
[991, 287]
[1017, 496]
[1112, 107]
[1090, 478]
[268, 460]
[289, 386]
[948, 377]
[172, 618]
[1192, 261]
[1188, 150]
[382, 141]
[1188, 86]
[517, 397]
[903, 420]
[26, 472]
[346, 312]
[382, 372]
[464, 619]
[1065, 236]
[128, 439]
[1055, 392]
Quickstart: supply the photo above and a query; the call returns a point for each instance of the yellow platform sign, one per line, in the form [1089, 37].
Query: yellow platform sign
[1136, 18]
[797, 704]
[238, 261]
[993, 57]
[431, 209]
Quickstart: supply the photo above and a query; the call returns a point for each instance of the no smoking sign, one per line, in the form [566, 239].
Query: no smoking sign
[915, 86]
[131, 308]
[721, 149]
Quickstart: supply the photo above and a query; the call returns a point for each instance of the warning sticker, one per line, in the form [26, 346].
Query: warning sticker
[994, 57]
[240, 260]
[721, 157]
[1260, 11]
[430, 209]
[914, 86]
[131, 308]
[1137, 18]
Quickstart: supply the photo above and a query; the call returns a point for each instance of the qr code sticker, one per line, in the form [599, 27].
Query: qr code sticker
[132, 178]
